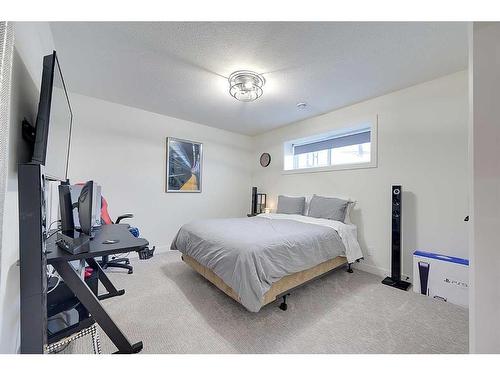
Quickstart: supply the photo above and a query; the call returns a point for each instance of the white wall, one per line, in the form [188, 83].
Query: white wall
[484, 70]
[422, 144]
[124, 150]
[32, 42]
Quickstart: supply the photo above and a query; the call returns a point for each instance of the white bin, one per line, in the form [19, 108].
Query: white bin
[442, 277]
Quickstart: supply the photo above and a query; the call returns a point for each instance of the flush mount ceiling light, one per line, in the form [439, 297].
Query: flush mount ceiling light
[246, 86]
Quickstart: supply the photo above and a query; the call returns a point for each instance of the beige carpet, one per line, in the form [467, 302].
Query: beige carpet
[174, 310]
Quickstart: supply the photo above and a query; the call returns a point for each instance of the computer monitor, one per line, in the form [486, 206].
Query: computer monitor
[66, 207]
[85, 207]
[76, 189]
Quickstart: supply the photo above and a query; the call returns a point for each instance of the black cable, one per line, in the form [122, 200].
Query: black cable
[50, 225]
[50, 235]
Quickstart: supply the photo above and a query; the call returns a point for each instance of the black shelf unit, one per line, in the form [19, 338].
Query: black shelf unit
[32, 257]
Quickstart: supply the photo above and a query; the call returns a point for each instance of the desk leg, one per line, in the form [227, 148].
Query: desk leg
[90, 301]
[106, 282]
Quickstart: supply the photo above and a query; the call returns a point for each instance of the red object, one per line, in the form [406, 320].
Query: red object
[88, 272]
[104, 212]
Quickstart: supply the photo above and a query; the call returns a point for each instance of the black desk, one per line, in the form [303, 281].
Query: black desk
[60, 259]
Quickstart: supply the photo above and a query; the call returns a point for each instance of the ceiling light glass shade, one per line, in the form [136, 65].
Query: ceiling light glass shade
[245, 85]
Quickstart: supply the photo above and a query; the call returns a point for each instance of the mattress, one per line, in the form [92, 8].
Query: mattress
[250, 254]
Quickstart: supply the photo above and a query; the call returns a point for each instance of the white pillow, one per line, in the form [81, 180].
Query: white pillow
[350, 206]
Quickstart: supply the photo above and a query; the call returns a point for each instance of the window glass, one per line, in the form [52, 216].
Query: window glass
[342, 147]
[351, 154]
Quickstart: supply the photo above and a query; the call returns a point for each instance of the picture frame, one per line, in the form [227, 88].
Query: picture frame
[184, 166]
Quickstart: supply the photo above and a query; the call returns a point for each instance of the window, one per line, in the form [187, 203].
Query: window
[340, 149]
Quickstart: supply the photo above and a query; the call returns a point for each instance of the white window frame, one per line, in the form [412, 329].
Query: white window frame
[362, 125]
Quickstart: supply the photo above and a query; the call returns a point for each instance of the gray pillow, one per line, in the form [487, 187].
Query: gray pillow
[328, 208]
[290, 205]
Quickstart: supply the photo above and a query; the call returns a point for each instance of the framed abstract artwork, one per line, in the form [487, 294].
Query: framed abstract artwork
[184, 166]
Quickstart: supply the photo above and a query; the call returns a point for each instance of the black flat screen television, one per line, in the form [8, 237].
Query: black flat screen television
[53, 122]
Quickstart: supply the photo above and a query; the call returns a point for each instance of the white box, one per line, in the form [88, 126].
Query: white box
[440, 276]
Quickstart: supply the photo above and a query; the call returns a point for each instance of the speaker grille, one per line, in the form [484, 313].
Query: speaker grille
[396, 233]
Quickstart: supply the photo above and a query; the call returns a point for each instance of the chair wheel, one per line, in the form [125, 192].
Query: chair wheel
[130, 272]
[283, 306]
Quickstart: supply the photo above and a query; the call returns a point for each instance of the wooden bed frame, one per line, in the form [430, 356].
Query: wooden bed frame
[282, 287]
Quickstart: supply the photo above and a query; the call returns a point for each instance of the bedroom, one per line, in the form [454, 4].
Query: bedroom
[339, 116]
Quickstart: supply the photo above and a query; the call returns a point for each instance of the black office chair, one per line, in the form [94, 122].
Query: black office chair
[114, 262]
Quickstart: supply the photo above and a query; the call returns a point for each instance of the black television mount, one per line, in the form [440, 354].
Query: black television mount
[28, 134]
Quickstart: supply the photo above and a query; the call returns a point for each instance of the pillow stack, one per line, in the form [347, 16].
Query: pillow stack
[319, 207]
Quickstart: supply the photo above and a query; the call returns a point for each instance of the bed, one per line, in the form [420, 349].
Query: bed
[258, 259]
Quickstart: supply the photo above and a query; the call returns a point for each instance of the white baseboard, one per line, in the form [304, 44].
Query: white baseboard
[371, 269]
[379, 271]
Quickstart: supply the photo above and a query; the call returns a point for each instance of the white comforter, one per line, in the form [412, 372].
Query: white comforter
[348, 232]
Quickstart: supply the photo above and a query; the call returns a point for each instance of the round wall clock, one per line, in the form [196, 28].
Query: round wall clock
[265, 159]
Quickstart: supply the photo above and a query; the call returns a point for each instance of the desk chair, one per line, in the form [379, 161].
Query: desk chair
[106, 219]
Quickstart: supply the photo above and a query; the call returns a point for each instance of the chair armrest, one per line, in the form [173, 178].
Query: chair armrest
[121, 217]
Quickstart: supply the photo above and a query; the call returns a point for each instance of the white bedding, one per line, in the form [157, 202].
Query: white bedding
[348, 232]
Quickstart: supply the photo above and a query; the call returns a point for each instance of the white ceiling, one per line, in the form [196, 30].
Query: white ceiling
[179, 68]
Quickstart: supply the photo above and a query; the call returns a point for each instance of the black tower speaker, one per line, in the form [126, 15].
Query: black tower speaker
[395, 279]
[254, 200]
